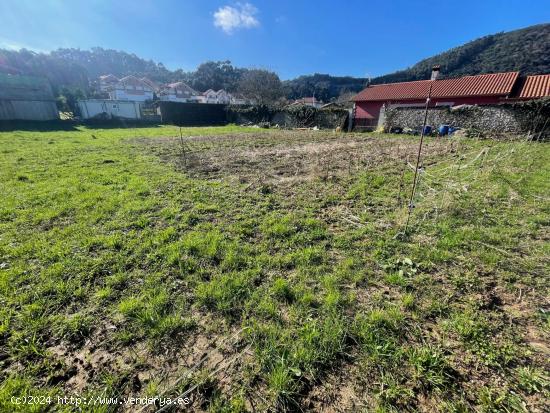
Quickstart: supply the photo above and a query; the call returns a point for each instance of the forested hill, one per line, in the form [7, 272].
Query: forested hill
[526, 50]
[324, 87]
[75, 68]
[99, 61]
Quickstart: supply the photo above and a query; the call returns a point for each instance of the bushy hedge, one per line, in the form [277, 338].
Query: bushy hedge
[251, 113]
[288, 116]
[534, 116]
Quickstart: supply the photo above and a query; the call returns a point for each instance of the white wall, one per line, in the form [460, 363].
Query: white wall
[171, 97]
[211, 97]
[125, 94]
[113, 108]
[106, 86]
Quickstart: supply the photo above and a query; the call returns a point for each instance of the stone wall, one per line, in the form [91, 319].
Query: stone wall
[519, 118]
[290, 116]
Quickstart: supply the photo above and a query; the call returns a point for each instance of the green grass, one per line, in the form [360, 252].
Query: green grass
[112, 245]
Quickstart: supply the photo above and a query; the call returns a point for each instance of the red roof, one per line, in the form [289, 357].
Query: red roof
[109, 77]
[150, 83]
[536, 86]
[181, 87]
[495, 84]
[133, 81]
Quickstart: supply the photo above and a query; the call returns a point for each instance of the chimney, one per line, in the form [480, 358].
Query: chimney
[435, 72]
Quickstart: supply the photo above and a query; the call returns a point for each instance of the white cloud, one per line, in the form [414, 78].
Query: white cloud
[229, 18]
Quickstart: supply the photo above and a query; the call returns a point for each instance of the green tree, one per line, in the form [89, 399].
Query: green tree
[67, 100]
[216, 75]
[261, 85]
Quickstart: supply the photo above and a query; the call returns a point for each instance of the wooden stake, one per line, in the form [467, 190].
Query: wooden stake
[413, 190]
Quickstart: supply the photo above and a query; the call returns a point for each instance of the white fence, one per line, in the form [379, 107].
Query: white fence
[107, 109]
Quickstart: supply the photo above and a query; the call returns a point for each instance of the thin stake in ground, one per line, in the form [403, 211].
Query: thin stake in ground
[183, 151]
[411, 205]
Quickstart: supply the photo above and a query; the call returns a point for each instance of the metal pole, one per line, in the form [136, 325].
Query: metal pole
[411, 206]
[183, 151]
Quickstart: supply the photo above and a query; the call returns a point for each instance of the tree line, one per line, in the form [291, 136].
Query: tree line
[74, 72]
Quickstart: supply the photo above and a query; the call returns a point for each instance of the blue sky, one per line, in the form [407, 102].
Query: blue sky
[291, 37]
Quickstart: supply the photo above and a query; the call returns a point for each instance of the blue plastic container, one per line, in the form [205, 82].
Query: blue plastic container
[427, 130]
[443, 130]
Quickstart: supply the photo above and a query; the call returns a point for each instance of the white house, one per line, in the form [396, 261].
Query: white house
[210, 96]
[154, 85]
[179, 92]
[220, 97]
[105, 108]
[107, 82]
[131, 88]
[239, 100]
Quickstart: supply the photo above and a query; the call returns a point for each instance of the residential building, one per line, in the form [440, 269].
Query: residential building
[154, 85]
[131, 88]
[219, 97]
[179, 92]
[237, 99]
[534, 87]
[107, 82]
[483, 89]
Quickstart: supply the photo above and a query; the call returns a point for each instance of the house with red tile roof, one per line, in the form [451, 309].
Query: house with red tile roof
[154, 85]
[486, 89]
[107, 82]
[179, 92]
[535, 87]
[219, 97]
[131, 88]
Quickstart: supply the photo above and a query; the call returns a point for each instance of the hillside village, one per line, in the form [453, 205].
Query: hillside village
[141, 90]
[394, 106]
[129, 96]
[72, 86]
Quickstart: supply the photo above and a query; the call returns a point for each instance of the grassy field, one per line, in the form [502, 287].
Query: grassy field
[265, 270]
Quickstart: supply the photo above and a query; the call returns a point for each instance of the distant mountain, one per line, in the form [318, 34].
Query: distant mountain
[76, 68]
[525, 50]
[99, 61]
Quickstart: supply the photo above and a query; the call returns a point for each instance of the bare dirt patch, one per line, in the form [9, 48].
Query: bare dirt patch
[285, 158]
